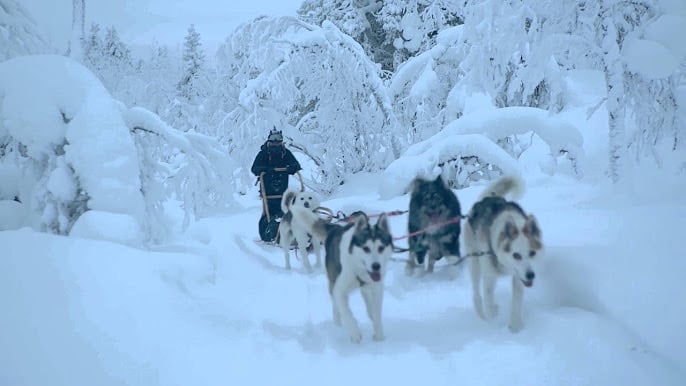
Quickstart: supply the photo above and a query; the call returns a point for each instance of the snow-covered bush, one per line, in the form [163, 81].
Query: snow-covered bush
[63, 131]
[70, 148]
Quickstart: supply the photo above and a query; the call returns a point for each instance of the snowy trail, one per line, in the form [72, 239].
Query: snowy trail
[216, 308]
[430, 323]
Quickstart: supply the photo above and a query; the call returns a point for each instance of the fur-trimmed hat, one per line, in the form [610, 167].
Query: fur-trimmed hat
[275, 136]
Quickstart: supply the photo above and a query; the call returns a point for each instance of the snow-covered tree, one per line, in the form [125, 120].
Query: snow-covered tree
[389, 31]
[76, 150]
[641, 61]
[189, 167]
[193, 63]
[512, 50]
[159, 70]
[107, 56]
[93, 48]
[423, 89]
[316, 84]
[114, 64]
[192, 90]
[19, 34]
[410, 27]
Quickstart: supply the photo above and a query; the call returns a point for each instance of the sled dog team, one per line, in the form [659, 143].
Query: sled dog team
[500, 239]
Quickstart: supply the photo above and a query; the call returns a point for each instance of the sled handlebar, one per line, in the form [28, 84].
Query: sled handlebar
[265, 207]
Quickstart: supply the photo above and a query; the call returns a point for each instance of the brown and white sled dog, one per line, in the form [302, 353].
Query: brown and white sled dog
[512, 240]
[356, 255]
[291, 229]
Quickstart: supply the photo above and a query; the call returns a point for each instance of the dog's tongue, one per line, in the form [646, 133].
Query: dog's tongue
[376, 276]
[528, 283]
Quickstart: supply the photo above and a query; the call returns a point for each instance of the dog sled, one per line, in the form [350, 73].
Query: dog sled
[268, 225]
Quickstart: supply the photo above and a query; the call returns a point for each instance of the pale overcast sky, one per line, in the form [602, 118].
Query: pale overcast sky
[166, 21]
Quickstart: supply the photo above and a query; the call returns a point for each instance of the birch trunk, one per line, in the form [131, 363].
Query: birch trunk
[616, 104]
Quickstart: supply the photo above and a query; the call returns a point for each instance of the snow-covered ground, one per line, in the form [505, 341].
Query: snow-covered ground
[212, 307]
[216, 308]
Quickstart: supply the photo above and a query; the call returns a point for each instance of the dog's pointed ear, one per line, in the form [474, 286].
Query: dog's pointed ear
[510, 231]
[361, 222]
[382, 223]
[531, 227]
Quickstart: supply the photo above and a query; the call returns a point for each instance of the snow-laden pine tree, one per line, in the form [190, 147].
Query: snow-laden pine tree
[193, 63]
[111, 60]
[92, 50]
[160, 72]
[19, 34]
[318, 86]
[192, 89]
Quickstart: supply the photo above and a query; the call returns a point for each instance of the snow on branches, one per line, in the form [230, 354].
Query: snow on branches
[470, 148]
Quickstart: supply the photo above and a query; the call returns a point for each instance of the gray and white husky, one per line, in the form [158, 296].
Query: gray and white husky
[512, 242]
[356, 256]
[291, 230]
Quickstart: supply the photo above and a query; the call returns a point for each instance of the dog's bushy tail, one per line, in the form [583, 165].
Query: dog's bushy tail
[512, 185]
[286, 200]
[314, 224]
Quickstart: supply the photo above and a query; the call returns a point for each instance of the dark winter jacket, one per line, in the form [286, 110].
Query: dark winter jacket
[275, 157]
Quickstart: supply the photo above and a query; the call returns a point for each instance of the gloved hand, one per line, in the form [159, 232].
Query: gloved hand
[292, 169]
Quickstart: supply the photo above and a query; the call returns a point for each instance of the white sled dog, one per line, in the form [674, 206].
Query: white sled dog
[291, 229]
[356, 255]
[512, 241]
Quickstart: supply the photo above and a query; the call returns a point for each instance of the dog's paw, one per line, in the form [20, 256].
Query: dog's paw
[478, 307]
[515, 326]
[480, 312]
[379, 337]
[288, 267]
[356, 337]
[491, 310]
[409, 270]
